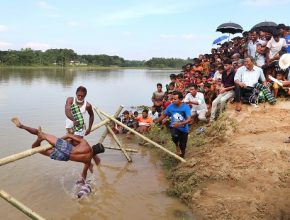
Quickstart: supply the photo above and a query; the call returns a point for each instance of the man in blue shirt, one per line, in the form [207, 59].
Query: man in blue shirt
[179, 114]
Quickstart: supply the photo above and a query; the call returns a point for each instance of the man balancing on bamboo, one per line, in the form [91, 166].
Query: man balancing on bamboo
[78, 149]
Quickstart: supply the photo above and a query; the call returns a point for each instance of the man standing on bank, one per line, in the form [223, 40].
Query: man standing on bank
[79, 105]
[180, 116]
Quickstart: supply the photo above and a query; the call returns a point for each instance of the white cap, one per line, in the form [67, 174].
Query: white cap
[284, 61]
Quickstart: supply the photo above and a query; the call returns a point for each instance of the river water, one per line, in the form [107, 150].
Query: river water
[121, 190]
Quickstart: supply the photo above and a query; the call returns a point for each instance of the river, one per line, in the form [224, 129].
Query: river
[121, 190]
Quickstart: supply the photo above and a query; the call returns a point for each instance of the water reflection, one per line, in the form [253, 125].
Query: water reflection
[123, 190]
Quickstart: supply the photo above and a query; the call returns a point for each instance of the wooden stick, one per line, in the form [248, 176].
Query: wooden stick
[102, 138]
[143, 137]
[24, 154]
[115, 138]
[27, 211]
[126, 149]
[101, 124]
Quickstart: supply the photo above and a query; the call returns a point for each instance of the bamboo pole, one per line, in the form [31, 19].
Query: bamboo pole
[24, 154]
[143, 137]
[126, 149]
[101, 124]
[27, 211]
[115, 138]
[102, 138]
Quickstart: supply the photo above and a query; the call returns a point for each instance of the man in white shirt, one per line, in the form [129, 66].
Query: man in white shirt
[274, 46]
[245, 79]
[197, 103]
[251, 48]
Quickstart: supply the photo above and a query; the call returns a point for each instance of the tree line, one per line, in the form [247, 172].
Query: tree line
[67, 57]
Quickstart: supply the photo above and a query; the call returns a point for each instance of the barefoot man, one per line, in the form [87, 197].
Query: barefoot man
[63, 150]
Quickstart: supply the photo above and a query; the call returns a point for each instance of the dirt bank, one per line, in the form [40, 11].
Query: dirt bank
[245, 172]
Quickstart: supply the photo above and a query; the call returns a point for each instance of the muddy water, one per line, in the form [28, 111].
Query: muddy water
[121, 190]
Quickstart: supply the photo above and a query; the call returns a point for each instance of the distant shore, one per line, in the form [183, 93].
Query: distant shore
[82, 67]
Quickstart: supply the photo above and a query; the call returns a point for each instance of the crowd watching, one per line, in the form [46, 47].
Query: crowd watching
[239, 71]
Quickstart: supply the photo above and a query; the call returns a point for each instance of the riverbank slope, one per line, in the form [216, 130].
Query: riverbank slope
[243, 173]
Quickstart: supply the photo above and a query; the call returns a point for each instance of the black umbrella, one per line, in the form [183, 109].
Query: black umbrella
[267, 26]
[231, 28]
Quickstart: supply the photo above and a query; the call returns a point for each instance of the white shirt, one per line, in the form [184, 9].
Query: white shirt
[217, 75]
[275, 47]
[199, 97]
[249, 77]
[153, 116]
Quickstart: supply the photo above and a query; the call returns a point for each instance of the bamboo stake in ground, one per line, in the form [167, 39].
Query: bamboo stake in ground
[27, 211]
[143, 137]
[24, 154]
[115, 138]
[103, 136]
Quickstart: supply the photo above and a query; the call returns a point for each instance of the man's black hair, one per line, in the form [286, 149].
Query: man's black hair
[179, 94]
[145, 110]
[172, 76]
[159, 84]
[227, 61]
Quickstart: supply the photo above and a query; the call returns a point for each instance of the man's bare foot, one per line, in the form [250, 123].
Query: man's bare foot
[16, 121]
[40, 134]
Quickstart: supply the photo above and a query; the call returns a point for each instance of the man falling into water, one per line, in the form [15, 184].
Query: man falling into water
[79, 150]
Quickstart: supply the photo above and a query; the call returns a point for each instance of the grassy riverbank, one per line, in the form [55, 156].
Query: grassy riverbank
[238, 168]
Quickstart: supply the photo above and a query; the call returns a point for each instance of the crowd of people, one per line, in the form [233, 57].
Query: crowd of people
[249, 69]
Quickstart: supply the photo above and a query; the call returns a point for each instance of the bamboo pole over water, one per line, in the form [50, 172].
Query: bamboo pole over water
[27, 211]
[103, 136]
[115, 137]
[24, 154]
[126, 149]
[142, 136]
[101, 124]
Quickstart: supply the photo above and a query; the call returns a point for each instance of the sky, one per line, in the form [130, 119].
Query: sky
[132, 29]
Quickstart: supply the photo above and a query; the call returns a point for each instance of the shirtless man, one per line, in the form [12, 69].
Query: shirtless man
[63, 150]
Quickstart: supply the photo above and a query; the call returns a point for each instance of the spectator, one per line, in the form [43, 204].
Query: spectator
[196, 101]
[245, 79]
[227, 89]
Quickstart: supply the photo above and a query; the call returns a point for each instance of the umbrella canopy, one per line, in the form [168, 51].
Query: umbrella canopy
[231, 28]
[267, 26]
[220, 39]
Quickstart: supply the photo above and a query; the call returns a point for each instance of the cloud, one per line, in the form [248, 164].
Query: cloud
[168, 36]
[264, 3]
[43, 4]
[188, 36]
[128, 34]
[73, 24]
[5, 45]
[141, 10]
[37, 46]
[3, 28]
